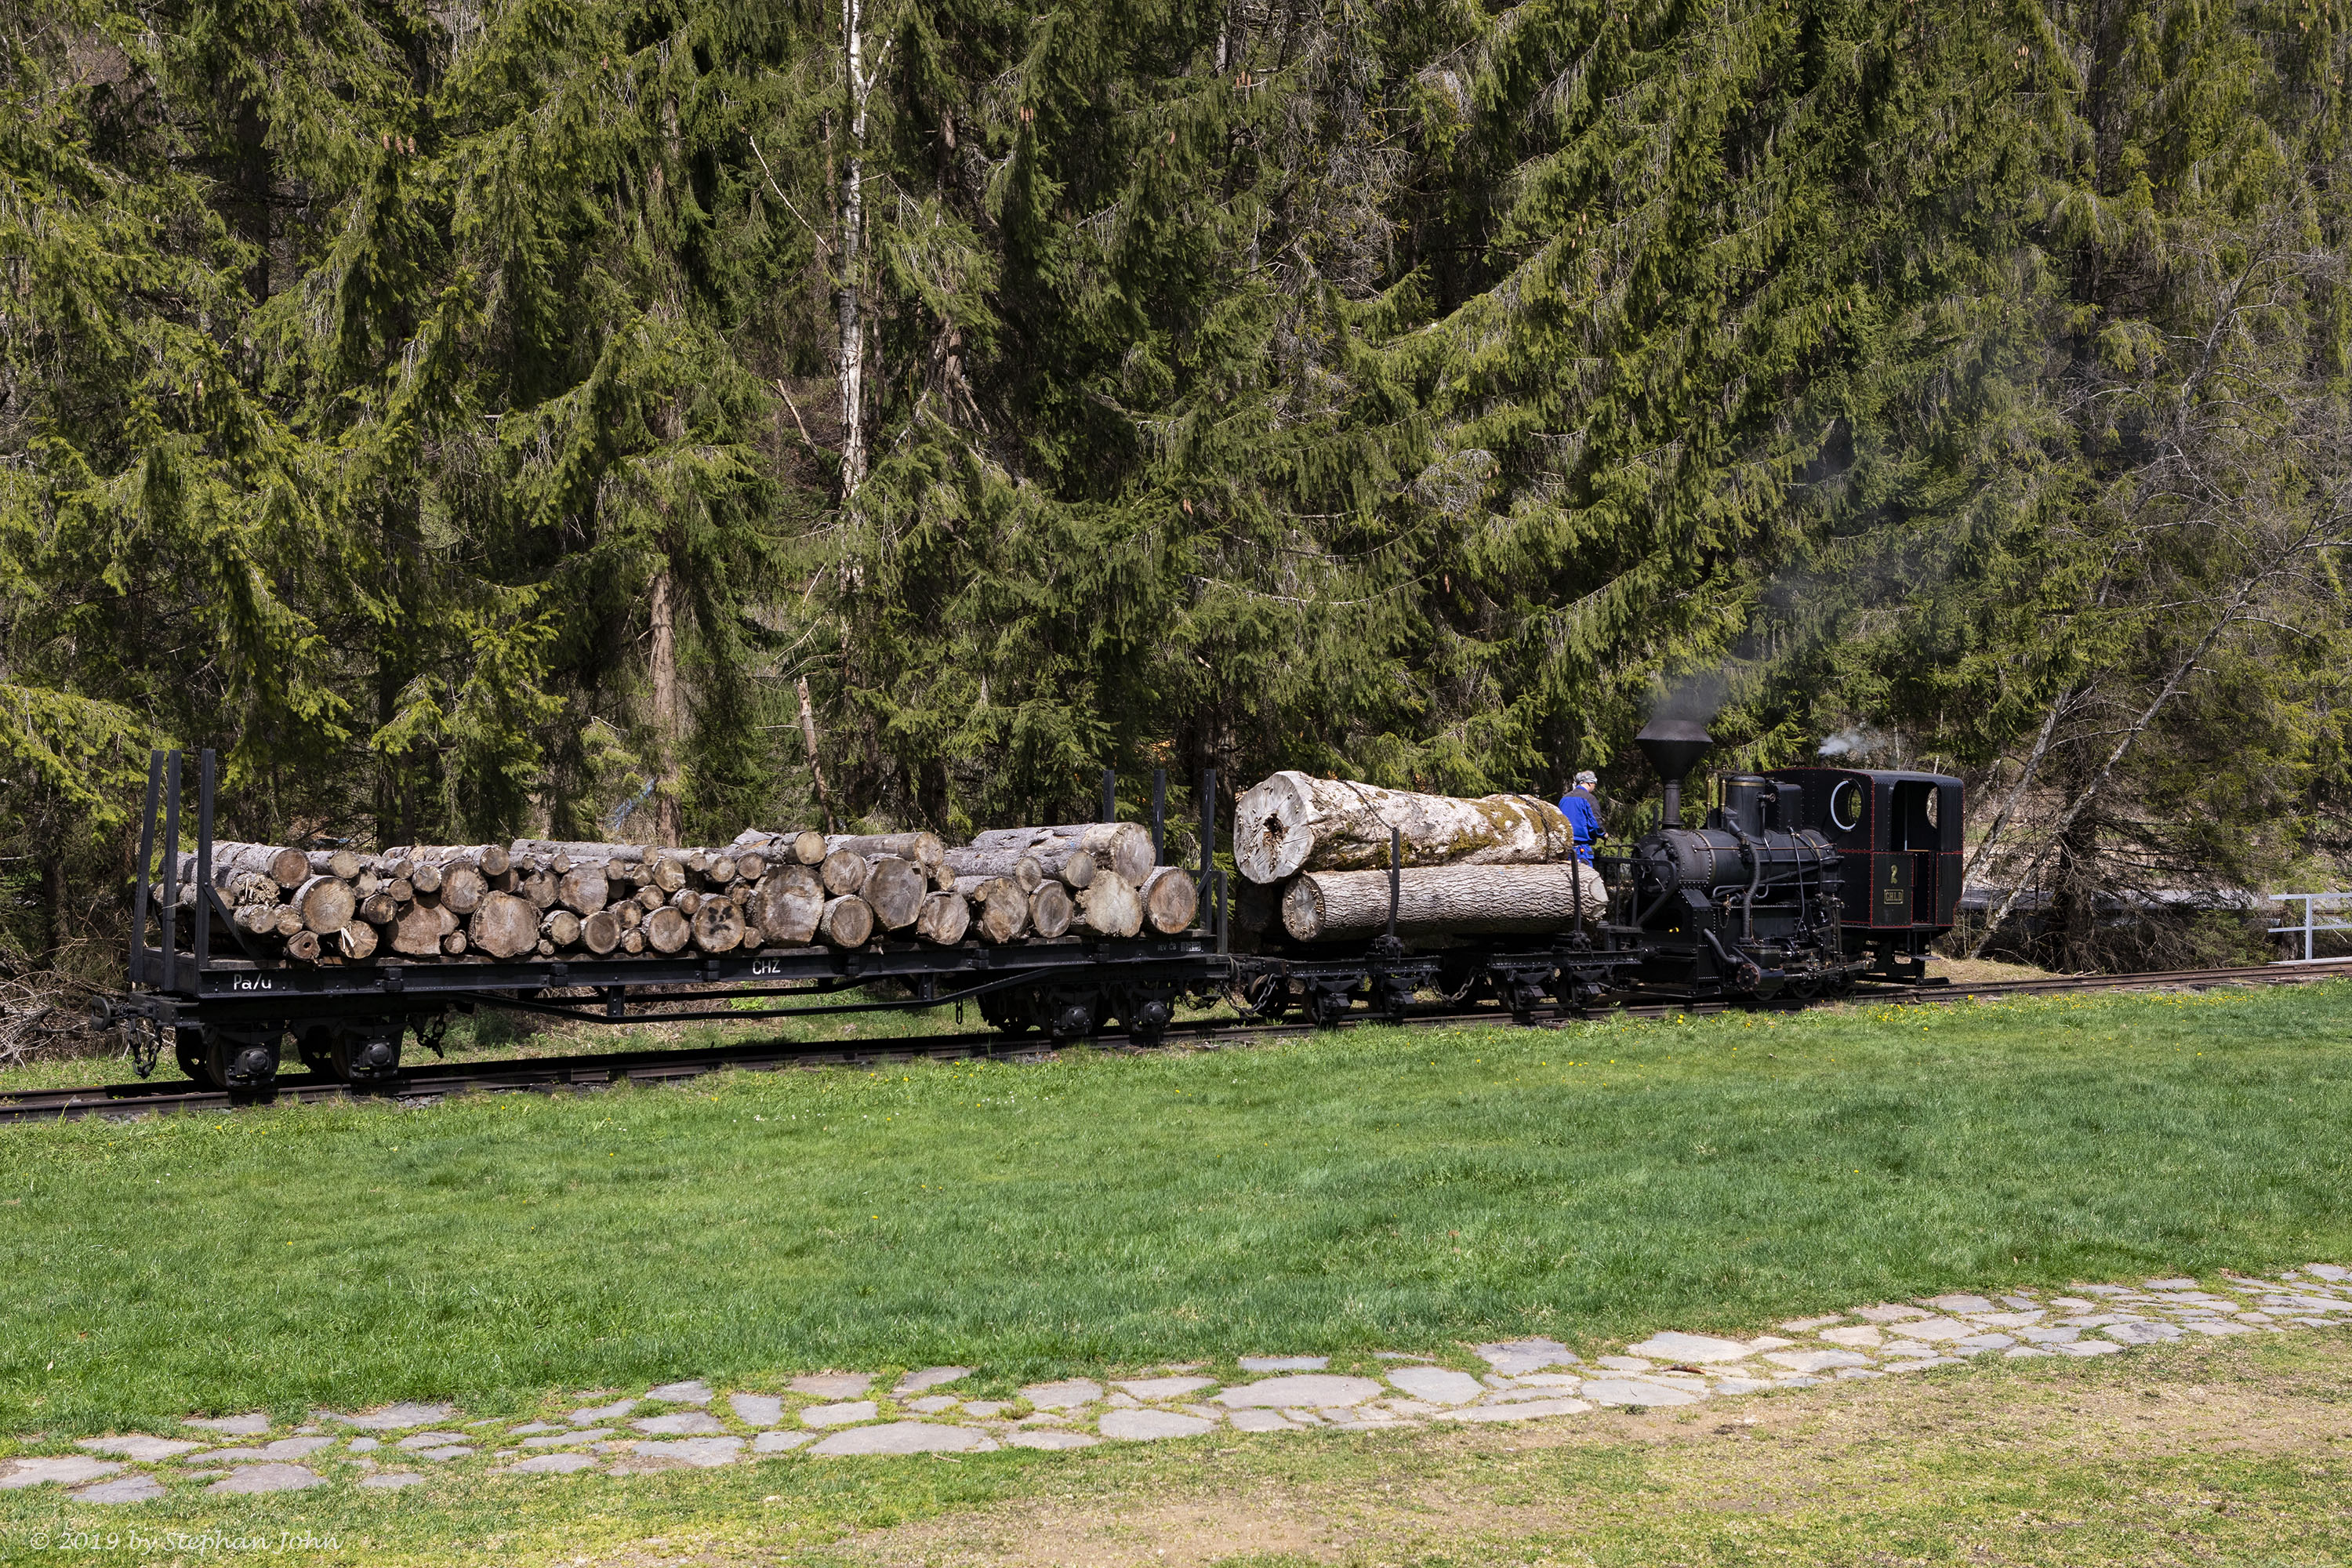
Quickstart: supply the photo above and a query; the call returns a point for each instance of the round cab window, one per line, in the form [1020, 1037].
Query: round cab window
[1845, 805]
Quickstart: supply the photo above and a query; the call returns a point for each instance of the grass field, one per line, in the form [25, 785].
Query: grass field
[1393, 1189]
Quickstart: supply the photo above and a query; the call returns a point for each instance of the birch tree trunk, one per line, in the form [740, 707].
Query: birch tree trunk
[662, 654]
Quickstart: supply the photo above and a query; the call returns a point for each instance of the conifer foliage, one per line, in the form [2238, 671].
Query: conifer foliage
[646, 417]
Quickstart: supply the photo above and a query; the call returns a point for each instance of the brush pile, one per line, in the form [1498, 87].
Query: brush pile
[540, 898]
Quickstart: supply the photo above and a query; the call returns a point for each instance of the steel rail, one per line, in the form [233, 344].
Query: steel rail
[587, 1071]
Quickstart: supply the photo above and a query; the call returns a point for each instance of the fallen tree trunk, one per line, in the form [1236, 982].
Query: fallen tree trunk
[1443, 900]
[1290, 822]
[1170, 899]
[490, 860]
[717, 926]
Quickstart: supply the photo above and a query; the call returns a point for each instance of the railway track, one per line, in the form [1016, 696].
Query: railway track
[587, 1072]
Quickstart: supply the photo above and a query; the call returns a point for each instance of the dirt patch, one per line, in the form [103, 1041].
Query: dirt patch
[2194, 1440]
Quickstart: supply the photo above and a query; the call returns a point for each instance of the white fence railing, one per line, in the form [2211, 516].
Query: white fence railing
[2313, 904]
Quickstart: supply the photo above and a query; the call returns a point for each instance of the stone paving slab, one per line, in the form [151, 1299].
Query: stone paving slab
[138, 1446]
[1068, 1393]
[268, 1479]
[390, 1480]
[1150, 1426]
[1285, 1362]
[1164, 1387]
[137, 1487]
[391, 1418]
[703, 1453]
[1628, 1390]
[1673, 1346]
[284, 1448]
[594, 1414]
[252, 1426]
[905, 1437]
[686, 1423]
[692, 1391]
[1438, 1384]
[833, 1384]
[757, 1409]
[65, 1470]
[548, 1464]
[843, 1415]
[1510, 1356]
[1308, 1389]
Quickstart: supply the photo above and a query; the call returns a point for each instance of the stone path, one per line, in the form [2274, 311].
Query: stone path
[689, 1424]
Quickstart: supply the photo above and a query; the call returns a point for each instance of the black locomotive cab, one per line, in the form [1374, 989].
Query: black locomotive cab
[1897, 836]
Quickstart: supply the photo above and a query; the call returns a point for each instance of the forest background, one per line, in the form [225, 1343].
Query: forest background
[645, 418]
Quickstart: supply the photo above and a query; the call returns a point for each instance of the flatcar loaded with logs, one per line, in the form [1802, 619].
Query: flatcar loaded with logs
[1351, 897]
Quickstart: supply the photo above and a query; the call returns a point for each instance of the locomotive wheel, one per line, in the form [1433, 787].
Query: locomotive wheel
[243, 1061]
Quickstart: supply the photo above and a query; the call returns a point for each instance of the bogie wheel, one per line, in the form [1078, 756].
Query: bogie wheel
[1073, 1014]
[242, 1061]
[1331, 1007]
[366, 1052]
[1146, 1013]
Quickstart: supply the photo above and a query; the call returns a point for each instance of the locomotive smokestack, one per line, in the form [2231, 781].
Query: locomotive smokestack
[1672, 745]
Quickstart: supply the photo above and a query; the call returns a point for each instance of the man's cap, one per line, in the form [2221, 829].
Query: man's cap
[1587, 779]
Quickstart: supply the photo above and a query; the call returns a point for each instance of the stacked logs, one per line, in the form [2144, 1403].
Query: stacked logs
[1313, 854]
[1095, 877]
[546, 898]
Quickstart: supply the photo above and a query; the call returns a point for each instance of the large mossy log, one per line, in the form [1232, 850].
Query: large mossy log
[1290, 822]
[1443, 900]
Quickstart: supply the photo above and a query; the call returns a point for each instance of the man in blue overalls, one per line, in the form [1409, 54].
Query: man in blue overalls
[1583, 814]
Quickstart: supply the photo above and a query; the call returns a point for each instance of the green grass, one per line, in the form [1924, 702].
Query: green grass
[1378, 1188]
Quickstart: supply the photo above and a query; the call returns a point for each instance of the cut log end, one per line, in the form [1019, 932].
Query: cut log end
[847, 922]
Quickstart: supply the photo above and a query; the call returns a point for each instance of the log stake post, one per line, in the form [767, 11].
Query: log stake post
[206, 897]
[1110, 796]
[1221, 912]
[146, 855]
[1160, 816]
[172, 871]
[1396, 876]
